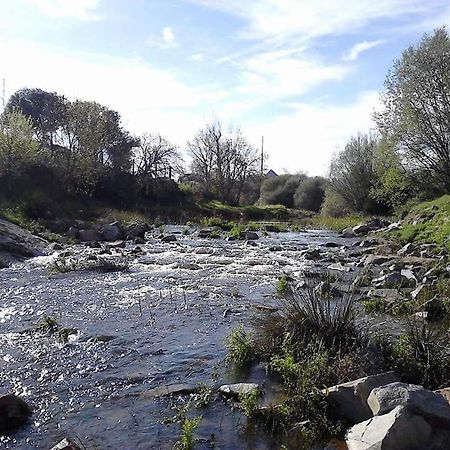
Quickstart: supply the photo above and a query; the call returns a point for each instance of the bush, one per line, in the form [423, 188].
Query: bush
[241, 352]
[334, 205]
[310, 194]
[280, 190]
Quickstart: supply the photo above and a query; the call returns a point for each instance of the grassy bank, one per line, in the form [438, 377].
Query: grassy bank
[426, 223]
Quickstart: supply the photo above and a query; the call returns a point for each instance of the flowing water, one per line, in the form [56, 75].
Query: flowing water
[163, 322]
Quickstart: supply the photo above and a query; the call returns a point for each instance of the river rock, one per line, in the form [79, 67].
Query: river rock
[88, 235]
[17, 244]
[66, 444]
[376, 260]
[111, 232]
[348, 233]
[251, 235]
[349, 400]
[14, 412]
[435, 309]
[169, 238]
[417, 399]
[406, 249]
[397, 430]
[171, 389]
[235, 390]
[393, 280]
[135, 231]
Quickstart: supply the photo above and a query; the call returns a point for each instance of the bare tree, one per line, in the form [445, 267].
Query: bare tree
[155, 155]
[224, 162]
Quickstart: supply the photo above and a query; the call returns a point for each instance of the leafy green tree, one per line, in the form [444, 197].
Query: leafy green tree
[280, 190]
[310, 194]
[416, 100]
[18, 148]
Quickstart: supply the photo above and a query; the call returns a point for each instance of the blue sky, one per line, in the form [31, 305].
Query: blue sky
[304, 73]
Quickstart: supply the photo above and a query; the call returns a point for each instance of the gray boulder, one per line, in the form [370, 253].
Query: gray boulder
[111, 232]
[235, 390]
[88, 235]
[349, 400]
[251, 236]
[14, 413]
[397, 430]
[416, 399]
[393, 280]
[135, 230]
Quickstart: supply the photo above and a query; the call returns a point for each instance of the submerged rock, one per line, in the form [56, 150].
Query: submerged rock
[169, 238]
[171, 389]
[14, 412]
[397, 430]
[349, 400]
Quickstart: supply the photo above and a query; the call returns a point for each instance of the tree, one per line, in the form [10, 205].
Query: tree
[280, 190]
[155, 155]
[224, 162]
[310, 194]
[352, 172]
[18, 149]
[416, 100]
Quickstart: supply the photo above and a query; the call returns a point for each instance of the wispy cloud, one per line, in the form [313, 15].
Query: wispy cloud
[75, 9]
[360, 47]
[166, 39]
[197, 57]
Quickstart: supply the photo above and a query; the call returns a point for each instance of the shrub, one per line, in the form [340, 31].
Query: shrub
[334, 205]
[280, 190]
[310, 194]
[187, 439]
[241, 352]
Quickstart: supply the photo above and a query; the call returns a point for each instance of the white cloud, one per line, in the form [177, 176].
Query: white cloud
[164, 41]
[197, 57]
[312, 18]
[77, 9]
[360, 47]
[277, 74]
[307, 138]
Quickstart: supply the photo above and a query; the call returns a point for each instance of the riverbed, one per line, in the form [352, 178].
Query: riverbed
[162, 322]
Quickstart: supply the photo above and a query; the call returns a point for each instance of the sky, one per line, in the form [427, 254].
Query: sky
[305, 74]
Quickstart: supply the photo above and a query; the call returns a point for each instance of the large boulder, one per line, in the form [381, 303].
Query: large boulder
[169, 238]
[135, 230]
[397, 430]
[14, 413]
[251, 235]
[365, 228]
[111, 232]
[17, 244]
[349, 400]
[88, 235]
[430, 405]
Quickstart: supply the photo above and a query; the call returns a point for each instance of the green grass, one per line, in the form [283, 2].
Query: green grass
[241, 352]
[427, 222]
[337, 223]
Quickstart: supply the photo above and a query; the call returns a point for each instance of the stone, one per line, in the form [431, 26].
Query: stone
[171, 389]
[397, 430]
[205, 233]
[135, 230]
[445, 392]
[349, 400]
[435, 309]
[417, 399]
[66, 444]
[251, 235]
[235, 390]
[169, 238]
[55, 246]
[111, 232]
[406, 249]
[331, 245]
[14, 412]
[376, 260]
[421, 292]
[88, 235]
[325, 288]
[348, 233]
[340, 267]
[393, 280]
[116, 244]
[311, 254]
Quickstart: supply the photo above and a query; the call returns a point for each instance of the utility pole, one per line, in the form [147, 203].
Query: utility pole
[262, 156]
